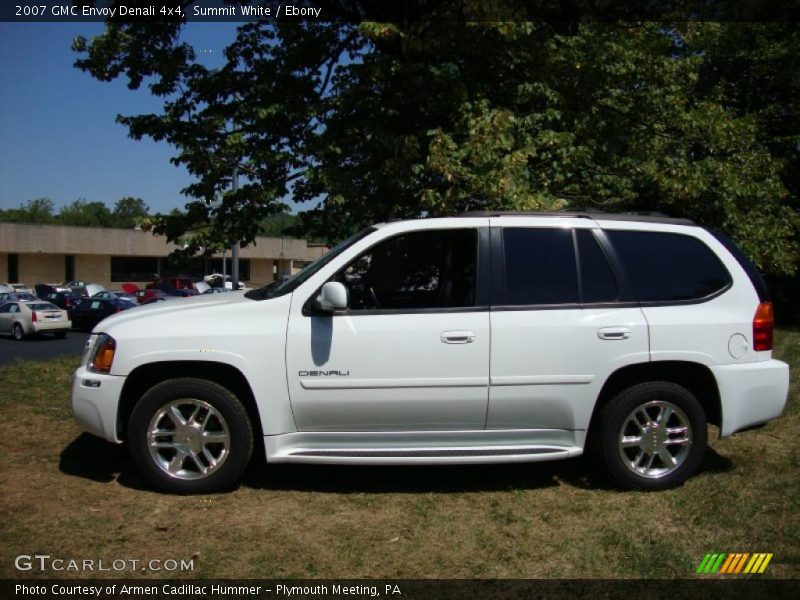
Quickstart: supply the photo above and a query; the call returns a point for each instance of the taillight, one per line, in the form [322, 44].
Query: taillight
[34, 317]
[763, 324]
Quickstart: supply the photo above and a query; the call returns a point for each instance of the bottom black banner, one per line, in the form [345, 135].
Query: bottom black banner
[407, 589]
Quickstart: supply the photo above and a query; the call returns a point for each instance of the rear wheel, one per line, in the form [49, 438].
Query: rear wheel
[18, 332]
[190, 436]
[651, 436]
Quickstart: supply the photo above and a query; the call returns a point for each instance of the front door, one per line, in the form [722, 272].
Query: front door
[411, 353]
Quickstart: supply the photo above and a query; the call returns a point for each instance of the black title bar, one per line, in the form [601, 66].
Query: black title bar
[399, 10]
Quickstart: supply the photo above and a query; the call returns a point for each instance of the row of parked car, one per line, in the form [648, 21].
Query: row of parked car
[57, 308]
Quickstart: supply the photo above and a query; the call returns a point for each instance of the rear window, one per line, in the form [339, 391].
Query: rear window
[669, 267]
[42, 306]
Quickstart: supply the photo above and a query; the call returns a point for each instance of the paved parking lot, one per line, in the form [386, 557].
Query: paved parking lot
[40, 347]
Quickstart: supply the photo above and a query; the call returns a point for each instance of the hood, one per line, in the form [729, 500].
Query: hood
[196, 315]
[178, 308]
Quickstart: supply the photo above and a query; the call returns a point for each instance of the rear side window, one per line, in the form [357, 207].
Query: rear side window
[540, 266]
[669, 267]
[597, 281]
[752, 271]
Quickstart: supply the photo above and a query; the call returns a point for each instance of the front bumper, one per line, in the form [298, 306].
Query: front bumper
[751, 393]
[95, 402]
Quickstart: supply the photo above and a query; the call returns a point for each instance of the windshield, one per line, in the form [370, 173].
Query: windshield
[275, 289]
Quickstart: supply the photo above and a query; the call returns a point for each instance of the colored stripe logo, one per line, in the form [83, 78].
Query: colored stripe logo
[733, 563]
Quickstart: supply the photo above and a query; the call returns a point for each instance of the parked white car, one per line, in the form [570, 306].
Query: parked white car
[22, 319]
[484, 338]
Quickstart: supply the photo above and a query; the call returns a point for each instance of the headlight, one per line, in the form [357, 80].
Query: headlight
[100, 356]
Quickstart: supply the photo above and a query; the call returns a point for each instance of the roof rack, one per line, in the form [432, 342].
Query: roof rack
[645, 216]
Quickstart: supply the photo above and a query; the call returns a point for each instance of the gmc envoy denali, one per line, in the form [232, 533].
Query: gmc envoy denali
[482, 338]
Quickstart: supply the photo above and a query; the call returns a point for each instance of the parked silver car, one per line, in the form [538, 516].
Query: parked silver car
[22, 319]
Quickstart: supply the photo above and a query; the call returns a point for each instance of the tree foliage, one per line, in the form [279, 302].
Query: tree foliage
[365, 120]
[84, 213]
[127, 213]
[38, 210]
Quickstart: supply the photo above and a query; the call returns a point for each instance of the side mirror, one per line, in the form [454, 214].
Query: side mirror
[333, 297]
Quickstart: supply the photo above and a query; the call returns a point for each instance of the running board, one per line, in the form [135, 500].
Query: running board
[429, 452]
[393, 448]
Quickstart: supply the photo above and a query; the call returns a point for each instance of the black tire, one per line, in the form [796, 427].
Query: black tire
[239, 429]
[631, 472]
[18, 332]
[60, 335]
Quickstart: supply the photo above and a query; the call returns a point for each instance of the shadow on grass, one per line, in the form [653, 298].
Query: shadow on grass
[714, 463]
[92, 458]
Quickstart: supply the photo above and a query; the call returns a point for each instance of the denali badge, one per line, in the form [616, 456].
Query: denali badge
[323, 373]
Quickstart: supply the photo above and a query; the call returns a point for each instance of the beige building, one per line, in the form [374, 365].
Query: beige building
[53, 253]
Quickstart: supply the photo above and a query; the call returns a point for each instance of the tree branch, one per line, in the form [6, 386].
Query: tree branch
[333, 58]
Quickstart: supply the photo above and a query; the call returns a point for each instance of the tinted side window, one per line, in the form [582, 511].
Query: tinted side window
[597, 280]
[424, 269]
[668, 266]
[540, 266]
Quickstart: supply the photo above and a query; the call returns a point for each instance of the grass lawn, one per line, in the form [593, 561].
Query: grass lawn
[70, 495]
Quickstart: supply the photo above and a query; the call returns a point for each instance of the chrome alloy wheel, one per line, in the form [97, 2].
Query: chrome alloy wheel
[655, 439]
[188, 439]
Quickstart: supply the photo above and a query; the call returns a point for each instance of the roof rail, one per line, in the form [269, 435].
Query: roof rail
[641, 216]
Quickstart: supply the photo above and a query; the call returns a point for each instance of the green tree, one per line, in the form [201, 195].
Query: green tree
[368, 120]
[281, 224]
[129, 212]
[39, 210]
[87, 214]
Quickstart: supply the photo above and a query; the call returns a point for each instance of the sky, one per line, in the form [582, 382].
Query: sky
[58, 135]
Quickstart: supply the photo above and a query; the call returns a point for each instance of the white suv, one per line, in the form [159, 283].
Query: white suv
[475, 339]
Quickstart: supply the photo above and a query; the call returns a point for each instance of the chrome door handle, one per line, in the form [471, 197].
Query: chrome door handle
[458, 337]
[614, 333]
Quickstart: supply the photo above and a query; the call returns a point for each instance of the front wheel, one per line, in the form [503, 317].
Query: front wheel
[651, 436]
[190, 436]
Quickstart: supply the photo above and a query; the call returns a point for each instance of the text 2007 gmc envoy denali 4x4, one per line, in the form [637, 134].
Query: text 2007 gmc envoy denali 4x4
[483, 338]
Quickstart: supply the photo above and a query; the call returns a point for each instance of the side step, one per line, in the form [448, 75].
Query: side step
[429, 452]
[423, 447]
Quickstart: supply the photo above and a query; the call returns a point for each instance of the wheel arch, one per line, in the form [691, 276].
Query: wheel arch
[144, 377]
[695, 377]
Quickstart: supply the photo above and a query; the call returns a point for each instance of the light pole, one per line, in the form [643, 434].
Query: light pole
[235, 245]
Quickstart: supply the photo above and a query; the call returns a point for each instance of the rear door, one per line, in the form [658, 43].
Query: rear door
[562, 321]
